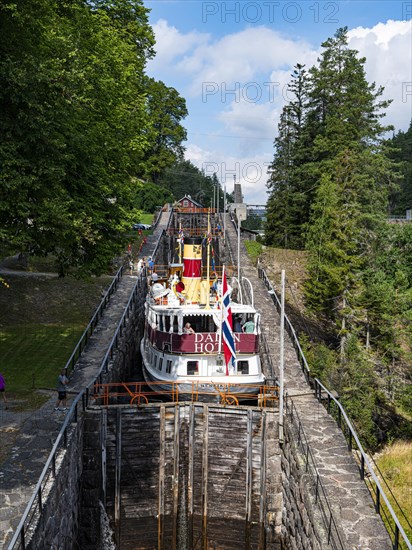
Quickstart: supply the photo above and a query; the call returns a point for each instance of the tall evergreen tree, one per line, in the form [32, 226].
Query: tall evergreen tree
[352, 176]
[401, 152]
[288, 204]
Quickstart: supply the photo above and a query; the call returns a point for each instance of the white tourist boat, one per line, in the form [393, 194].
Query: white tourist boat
[193, 343]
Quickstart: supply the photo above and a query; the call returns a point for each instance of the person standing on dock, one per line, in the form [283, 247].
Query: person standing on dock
[62, 382]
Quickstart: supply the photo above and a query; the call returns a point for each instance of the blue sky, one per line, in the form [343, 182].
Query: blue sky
[232, 61]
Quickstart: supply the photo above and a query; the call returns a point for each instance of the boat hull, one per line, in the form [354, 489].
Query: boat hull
[202, 389]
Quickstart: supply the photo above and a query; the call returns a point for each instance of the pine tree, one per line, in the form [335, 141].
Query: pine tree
[352, 177]
[288, 202]
[401, 152]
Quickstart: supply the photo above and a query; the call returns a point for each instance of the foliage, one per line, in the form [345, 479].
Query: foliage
[184, 178]
[148, 196]
[78, 119]
[254, 249]
[400, 147]
[165, 134]
[289, 187]
[252, 222]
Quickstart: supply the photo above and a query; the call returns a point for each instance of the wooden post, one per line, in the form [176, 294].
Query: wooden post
[103, 439]
[175, 474]
[118, 469]
[205, 467]
[190, 480]
[263, 499]
[160, 515]
[249, 475]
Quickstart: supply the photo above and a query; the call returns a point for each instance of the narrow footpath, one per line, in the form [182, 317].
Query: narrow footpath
[349, 497]
[36, 431]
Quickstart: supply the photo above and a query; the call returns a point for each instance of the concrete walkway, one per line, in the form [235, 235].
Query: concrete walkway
[33, 433]
[352, 505]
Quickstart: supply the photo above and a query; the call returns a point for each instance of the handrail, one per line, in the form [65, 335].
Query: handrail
[317, 385]
[334, 538]
[187, 391]
[288, 325]
[82, 397]
[71, 417]
[84, 338]
[364, 463]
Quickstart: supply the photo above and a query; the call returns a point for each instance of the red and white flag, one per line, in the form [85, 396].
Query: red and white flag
[227, 328]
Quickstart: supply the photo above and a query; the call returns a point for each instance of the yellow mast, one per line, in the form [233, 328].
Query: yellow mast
[180, 241]
[207, 306]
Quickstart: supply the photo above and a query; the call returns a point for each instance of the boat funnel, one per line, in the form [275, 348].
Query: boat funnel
[192, 268]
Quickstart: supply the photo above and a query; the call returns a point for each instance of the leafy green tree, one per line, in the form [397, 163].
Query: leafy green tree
[166, 109]
[184, 178]
[148, 196]
[73, 119]
[252, 221]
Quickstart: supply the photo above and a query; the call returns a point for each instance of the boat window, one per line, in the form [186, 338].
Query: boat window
[243, 367]
[155, 361]
[161, 363]
[169, 366]
[192, 367]
[166, 323]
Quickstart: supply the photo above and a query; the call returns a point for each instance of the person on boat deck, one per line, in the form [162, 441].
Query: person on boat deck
[188, 329]
[155, 277]
[249, 327]
[237, 327]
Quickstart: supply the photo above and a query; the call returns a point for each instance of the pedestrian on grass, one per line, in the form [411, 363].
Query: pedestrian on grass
[62, 382]
[3, 390]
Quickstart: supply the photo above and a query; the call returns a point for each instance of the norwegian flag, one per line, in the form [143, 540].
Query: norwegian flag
[181, 237]
[227, 328]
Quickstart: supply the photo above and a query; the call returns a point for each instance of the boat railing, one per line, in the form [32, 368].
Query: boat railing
[141, 393]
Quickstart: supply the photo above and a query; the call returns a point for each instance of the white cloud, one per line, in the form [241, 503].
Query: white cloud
[172, 44]
[388, 51]
[250, 171]
[254, 124]
[240, 57]
[261, 55]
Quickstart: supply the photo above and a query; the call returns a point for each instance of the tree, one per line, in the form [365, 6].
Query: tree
[400, 151]
[352, 179]
[73, 120]
[148, 196]
[166, 109]
[288, 203]
[184, 178]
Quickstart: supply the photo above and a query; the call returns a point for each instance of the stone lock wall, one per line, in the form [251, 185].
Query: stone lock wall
[298, 517]
[60, 517]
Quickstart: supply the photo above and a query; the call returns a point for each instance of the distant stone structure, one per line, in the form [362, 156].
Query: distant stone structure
[239, 208]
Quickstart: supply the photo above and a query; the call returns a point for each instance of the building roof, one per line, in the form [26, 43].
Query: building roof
[189, 198]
